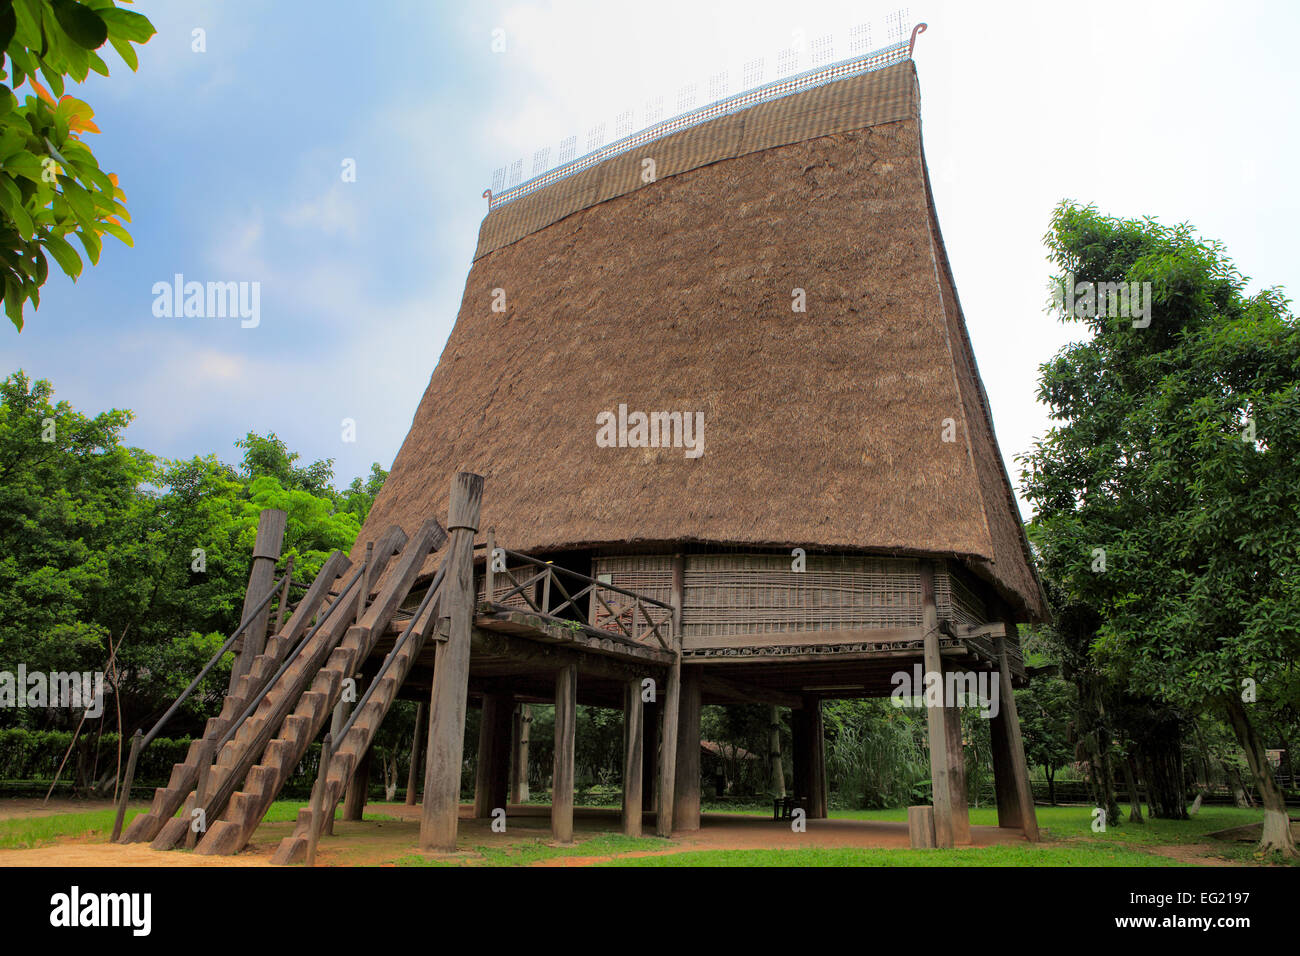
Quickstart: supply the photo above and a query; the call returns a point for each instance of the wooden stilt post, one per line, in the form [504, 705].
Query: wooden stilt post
[633, 757]
[670, 706]
[956, 774]
[650, 754]
[413, 774]
[1016, 746]
[566, 721]
[438, 821]
[490, 791]
[261, 578]
[354, 801]
[817, 760]
[522, 732]
[934, 714]
[686, 793]
[1004, 777]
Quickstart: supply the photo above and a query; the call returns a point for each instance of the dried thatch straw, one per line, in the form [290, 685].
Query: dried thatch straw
[823, 429]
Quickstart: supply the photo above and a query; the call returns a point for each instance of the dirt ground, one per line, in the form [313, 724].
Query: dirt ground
[377, 841]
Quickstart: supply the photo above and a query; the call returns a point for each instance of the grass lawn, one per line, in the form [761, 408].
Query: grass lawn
[20, 833]
[1067, 831]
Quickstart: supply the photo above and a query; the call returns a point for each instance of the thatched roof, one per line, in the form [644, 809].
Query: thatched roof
[822, 429]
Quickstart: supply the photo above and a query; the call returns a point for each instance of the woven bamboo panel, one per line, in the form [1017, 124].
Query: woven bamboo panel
[736, 593]
[955, 601]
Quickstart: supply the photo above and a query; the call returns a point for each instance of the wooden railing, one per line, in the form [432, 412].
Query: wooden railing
[609, 610]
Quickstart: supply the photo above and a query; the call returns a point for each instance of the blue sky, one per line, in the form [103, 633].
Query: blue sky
[231, 160]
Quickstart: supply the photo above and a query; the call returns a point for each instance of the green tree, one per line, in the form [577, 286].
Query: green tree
[1166, 496]
[51, 186]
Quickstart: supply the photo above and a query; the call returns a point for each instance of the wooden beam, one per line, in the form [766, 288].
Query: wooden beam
[686, 793]
[413, 775]
[517, 648]
[438, 821]
[566, 725]
[877, 635]
[1019, 766]
[633, 757]
[745, 693]
[934, 714]
[261, 577]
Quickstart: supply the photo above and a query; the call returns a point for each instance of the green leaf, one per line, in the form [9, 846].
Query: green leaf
[91, 242]
[86, 27]
[8, 24]
[127, 25]
[117, 232]
[125, 51]
[63, 254]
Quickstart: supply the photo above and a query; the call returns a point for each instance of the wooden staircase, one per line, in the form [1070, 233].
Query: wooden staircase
[358, 738]
[167, 800]
[296, 709]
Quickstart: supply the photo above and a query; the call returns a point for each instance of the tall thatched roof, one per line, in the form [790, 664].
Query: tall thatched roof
[822, 428]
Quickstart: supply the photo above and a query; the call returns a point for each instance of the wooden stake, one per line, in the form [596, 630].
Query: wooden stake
[566, 714]
[261, 578]
[125, 793]
[413, 775]
[633, 757]
[446, 744]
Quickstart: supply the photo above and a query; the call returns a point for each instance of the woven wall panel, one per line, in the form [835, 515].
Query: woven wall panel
[868, 99]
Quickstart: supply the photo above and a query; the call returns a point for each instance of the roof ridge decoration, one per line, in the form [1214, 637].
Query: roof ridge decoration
[809, 79]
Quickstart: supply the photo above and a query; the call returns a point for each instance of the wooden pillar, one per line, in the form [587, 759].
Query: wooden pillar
[686, 793]
[413, 775]
[650, 752]
[935, 721]
[776, 781]
[521, 732]
[670, 708]
[633, 757]
[354, 802]
[261, 578]
[956, 774]
[1004, 779]
[451, 671]
[800, 751]
[816, 731]
[566, 726]
[491, 786]
[1016, 746]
